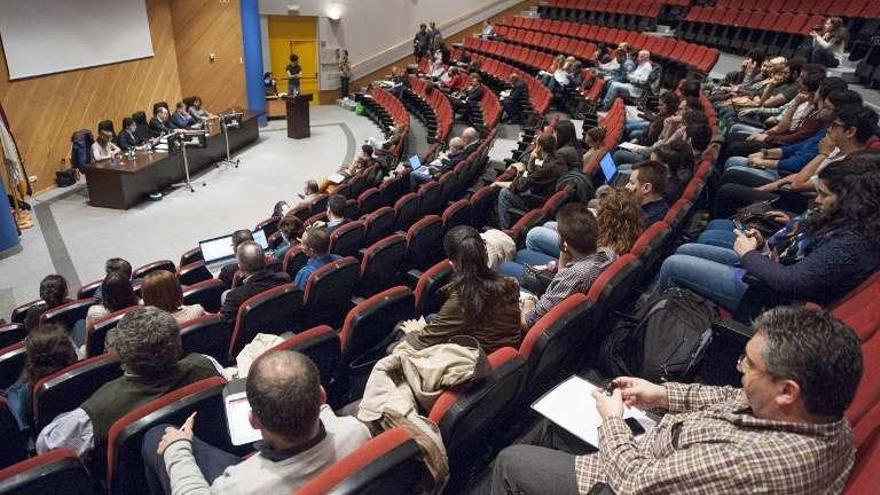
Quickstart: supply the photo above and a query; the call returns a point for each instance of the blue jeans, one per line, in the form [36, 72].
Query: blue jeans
[210, 460]
[508, 199]
[524, 257]
[420, 176]
[710, 271]
[635, 128]
[719, 233]
[544, 239]
[624, 157]
[743, 129]
[740, 163]
[614, 90]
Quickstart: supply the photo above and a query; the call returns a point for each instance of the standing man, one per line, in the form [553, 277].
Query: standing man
[294, 72]
[421, 42]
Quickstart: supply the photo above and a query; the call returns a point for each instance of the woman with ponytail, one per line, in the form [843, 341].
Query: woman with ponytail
[479, 302]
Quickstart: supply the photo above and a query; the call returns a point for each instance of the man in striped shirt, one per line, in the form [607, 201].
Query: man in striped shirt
[784, 432]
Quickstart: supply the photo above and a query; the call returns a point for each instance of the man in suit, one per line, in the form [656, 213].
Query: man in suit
[513, 98]
[335, 212]
[470, 97]
[159, 125]
[257, 278]
[129, 137]
[227, 271]
[181, 119]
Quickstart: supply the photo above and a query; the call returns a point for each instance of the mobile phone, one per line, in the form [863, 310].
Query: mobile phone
[634, 426]
[738, 226]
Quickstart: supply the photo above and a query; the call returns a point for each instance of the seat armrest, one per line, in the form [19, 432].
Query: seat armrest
[733, 328]
[412, 277]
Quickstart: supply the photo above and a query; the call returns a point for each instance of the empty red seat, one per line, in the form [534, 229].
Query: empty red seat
[321, 345]
[327, 296]
[380, 265]
[206, 293]
[275, 311]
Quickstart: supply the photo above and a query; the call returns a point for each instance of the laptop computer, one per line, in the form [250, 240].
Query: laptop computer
[609, 169]
[415, 162]
[218, 251]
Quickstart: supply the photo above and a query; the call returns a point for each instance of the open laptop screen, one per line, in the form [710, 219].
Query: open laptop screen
[609, 168]
[216, 249]
[260, 238]
[415, 162]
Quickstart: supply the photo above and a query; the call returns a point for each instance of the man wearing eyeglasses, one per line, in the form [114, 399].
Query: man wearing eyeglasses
[783, 432]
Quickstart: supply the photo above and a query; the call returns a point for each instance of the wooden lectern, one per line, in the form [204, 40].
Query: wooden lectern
[298, 116]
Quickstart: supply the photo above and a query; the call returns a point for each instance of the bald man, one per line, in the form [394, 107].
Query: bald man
[255, 278]
[630, 87]
[301, 436]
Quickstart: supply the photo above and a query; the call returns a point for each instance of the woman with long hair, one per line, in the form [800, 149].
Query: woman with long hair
[828, 42]
[117, 294]
[479, 302]
[818, 257]
[48, 348]
[568, 149]
[620, 219]
[162, 289]
[53, 293]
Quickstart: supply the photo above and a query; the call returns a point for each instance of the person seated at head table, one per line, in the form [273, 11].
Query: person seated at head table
[103, 147]
[181, 119]
[159, 125]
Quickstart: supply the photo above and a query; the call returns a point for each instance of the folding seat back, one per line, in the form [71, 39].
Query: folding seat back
[347, 238]
[191, 256]
[613, 286]
[206, 293]
[379, 224]
[68, 387]
[11, 333]
[469, 415]
[554, 202]
[97, 335]
[155, 266]
[380, 264]
[524, 224]
[860, 307]
[12, 359]
[424, 242]
[125, 466]
[555, 344]
[208, 335]
[194, 273]
[676, 214]
[328, 292]
[294, 260]
[482, 204]
[649, 246]
[431, 198]
[68, 314]
[391, 462]
[318, 204]
[56, 471]
[370, 322]
[269, 226]
[317, 217]
[276, 310]
[406, 211]
[456, 214]
[301, 211]
[429, 297]
[447, 185]
[19, 313]
[15, 441]
[369, 200]
[321, 345]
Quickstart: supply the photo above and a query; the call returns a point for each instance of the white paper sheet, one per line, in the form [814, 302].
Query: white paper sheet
[238, 410]
[571, 406]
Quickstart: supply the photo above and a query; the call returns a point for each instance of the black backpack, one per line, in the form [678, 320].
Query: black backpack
[663, 341]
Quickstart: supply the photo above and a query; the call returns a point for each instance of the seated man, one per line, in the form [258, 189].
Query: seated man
[336, 212]
[181, 119]
[446, 161]
[629, 87]
[148, 344]
[539, 177]
[513, 98]
[129, 138]
[783, 432]
[470, 96]
[227, 271]
[301, 436]
[316, 245]
[579, 261]
[159, 125]
[256, 278]
[647, 182]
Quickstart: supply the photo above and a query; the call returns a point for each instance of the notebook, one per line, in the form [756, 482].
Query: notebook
[238, 411]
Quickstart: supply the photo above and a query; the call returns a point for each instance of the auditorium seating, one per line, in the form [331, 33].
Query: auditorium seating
[347, 238]
[56, 471]
[274, 311]
[11, 363]
[379, 224]
[321, 345]
[207, 293]
[97, 334]
[11, 333]
[14, 440]
[68, 314]
[328, 292]
[143, 271]
[380, 265]
[194, 273]
[209, 334]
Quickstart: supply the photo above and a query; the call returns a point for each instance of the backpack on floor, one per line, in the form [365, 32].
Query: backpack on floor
[663, 341]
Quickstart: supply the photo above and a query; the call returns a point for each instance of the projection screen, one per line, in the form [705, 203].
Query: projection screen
[48, 36]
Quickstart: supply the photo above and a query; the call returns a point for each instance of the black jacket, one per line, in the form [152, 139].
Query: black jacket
[159, 128]
[128, 140]
[253, 285]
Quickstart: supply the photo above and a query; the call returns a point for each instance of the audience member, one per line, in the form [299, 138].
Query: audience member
[256, 278]
[800, 373]
[630, 87]
[53, 293]
[819, 257]
[181, 119]
[149, 349]
[316, 245]
[579, 261]
[117, 294]
[678, 158]
[446, 161]
[827, 44]
[162, 289]
[646, 131]
[512, 99]
[539, 177]
[48, 348]
[594, 137]
[301, 436]
[469, 98]
[291, 229]
[648, 182]
[159, 124]
[568, 149]
[104, 148]
[479, 302]
[227, 271]
[129, 137]
[335, 212]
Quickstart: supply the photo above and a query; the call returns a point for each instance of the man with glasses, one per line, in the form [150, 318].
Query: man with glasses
[784, 431]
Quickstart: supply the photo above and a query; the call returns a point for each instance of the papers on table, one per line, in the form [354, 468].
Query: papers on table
[571, 406]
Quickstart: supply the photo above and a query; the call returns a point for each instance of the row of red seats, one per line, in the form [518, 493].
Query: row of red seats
[560, 44]
[491, 107]
[691, 55]
[839, 8]
[645, 8]
[439, 103]
[527, 57]
[790, 23]
[539, 95]
[395, 109]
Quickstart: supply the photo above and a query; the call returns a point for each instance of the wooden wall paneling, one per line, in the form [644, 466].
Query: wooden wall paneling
[44, 111]
[202, 27]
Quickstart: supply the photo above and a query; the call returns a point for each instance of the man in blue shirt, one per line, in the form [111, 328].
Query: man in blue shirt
[316, 244]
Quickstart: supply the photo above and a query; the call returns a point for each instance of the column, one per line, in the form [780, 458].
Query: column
[253, 56]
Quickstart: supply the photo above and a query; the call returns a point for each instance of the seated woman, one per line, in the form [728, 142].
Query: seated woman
[117, 294]
[819, 257]
[162, 289]
[678, 157]
[328, 185]
[827, 44]
[48, 349]
[619, 220]
[197, 111]
[594, 138]
[53, 292]
[479, 302]
[645, 131]
[103, 148]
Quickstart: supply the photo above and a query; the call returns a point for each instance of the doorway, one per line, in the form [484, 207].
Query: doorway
[299, 35]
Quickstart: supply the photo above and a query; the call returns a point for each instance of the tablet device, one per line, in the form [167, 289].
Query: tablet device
[609, 168]
[415, 162]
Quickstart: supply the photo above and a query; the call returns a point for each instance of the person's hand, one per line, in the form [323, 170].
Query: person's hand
[637, 392]
[746, 242]
[826, 145]
[172, 434]
[780, 217]
[519, 166]
[769, 187]
[609, 406]
[758, 136]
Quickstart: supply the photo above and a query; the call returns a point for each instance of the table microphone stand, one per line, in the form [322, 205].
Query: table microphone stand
[228, 160]
[183, 144]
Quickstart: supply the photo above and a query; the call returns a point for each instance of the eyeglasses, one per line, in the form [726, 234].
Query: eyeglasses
[744, 364]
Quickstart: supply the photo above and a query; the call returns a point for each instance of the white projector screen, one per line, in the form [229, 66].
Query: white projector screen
[49, 36]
